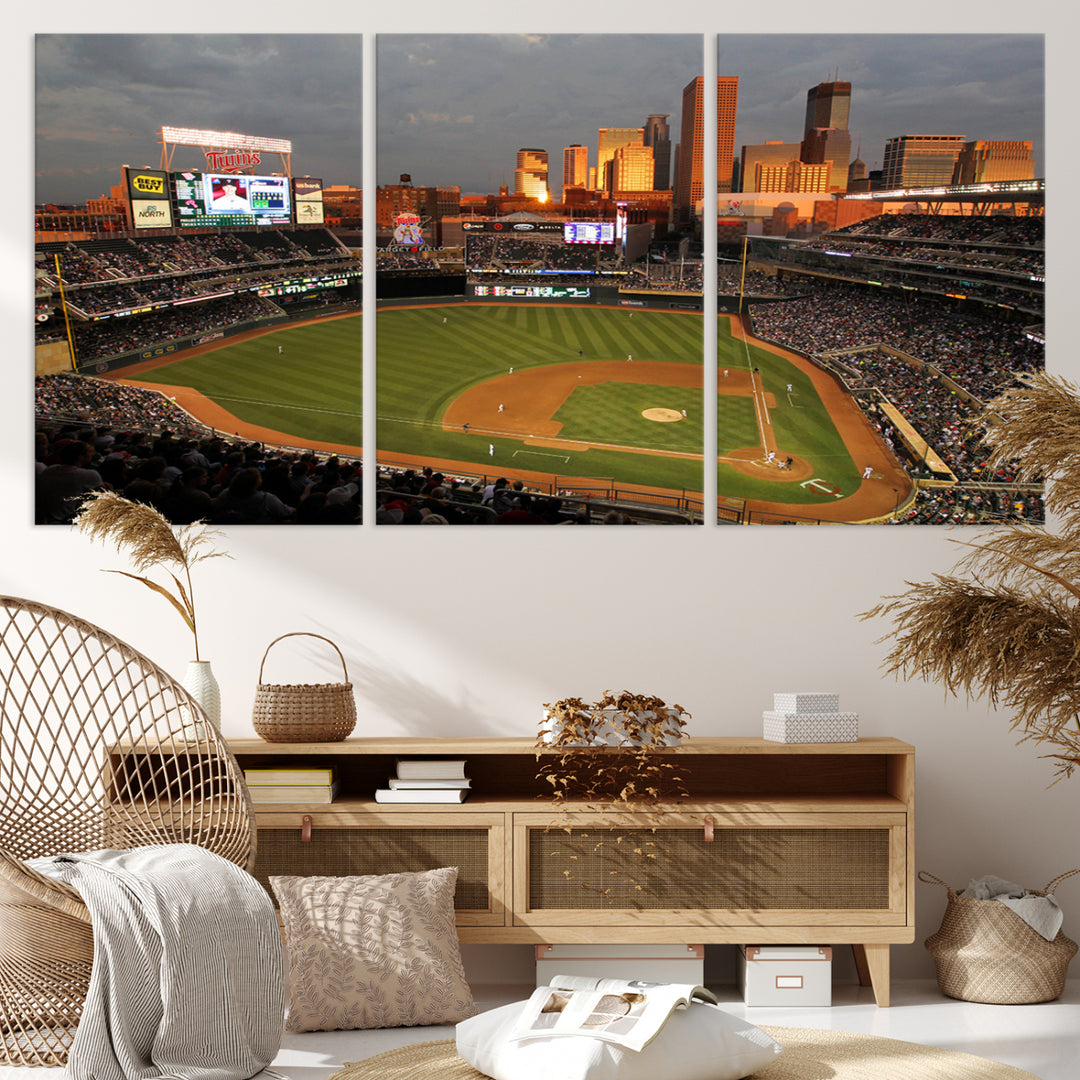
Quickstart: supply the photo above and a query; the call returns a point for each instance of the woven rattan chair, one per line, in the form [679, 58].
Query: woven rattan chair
[81, 716]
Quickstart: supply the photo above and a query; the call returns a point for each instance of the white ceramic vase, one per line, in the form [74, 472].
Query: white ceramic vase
[200, 683]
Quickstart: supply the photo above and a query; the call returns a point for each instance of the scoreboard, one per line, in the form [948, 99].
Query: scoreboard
[553, 292]
[228, 200]
[589, 232]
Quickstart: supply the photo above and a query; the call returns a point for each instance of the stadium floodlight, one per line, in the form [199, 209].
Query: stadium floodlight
[225, 140]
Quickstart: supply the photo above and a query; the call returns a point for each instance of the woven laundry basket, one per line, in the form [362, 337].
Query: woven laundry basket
[318, 712]
[985, 952]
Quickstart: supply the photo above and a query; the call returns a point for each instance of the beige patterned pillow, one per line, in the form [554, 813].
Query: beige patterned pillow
[373, 952]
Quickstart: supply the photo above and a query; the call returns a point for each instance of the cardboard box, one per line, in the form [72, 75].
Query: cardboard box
[646, 963]
[810, 728]
[785, 975]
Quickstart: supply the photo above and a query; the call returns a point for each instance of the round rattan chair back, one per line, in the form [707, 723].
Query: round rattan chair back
[99, 748]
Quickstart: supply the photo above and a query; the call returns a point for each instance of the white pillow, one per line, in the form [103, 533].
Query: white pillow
[701, 1042]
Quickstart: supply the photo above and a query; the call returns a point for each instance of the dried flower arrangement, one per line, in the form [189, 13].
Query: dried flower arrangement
[606, 752]
[150, 541]
[610, 754]
[1010, 631]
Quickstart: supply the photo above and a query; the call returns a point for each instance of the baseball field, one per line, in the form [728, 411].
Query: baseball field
[556, 391]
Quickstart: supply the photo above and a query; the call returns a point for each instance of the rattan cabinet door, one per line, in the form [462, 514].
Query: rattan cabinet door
[731, 871]
[353, 844]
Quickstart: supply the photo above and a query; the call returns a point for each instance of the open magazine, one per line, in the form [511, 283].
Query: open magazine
[627, 1012]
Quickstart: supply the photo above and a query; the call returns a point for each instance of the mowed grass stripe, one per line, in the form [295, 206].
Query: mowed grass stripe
[311, 390]
[487, 341]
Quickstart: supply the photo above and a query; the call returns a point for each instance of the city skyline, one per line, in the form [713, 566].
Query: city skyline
[981, 86]
[455, 108]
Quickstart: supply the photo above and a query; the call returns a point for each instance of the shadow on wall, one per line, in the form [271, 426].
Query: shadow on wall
[389, 688]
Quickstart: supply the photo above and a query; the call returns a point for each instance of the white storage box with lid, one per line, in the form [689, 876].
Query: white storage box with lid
[785, 974]
[644, 963]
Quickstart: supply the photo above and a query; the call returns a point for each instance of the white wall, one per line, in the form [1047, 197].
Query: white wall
[462, 632]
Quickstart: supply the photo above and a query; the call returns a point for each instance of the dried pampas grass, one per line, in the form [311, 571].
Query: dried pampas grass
[150, 541]
[1009, 630]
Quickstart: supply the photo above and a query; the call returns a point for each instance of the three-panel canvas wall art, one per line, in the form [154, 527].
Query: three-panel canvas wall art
[564, 244]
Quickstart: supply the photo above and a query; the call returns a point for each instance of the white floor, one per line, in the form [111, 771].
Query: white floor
[1043, 1039]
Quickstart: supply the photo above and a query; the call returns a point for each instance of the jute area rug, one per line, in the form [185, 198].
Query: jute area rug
[808, 1055]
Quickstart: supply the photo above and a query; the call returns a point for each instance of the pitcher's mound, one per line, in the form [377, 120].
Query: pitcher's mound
[662, 416]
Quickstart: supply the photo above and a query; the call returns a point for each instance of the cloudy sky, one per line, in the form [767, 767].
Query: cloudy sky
[101, 100]
[455, 108]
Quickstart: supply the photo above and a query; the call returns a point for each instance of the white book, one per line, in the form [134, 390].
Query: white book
[430, 769]
[397, 783]
[420, 795]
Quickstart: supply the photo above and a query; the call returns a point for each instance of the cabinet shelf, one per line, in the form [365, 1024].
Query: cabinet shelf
[776, 843]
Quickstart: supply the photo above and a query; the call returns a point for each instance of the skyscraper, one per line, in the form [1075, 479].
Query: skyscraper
[575, 167]
[632, 168]
[920, 160]
[531, 174]
[825, 132]
[658, 136]
[690, 183]
[985, 160]
[608, 140]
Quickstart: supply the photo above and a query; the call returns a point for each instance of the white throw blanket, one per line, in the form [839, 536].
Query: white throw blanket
[1041, 913]
[187, 976]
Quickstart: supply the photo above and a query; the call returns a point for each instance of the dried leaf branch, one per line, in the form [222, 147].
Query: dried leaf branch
[1009, 630]
[150, 541]
[640, 773]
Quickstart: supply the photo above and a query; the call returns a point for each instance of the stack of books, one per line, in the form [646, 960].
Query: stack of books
[291, 785]
[426, 780]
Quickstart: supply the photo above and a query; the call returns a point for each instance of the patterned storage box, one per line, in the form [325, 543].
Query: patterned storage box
[789, 727]
[806, 704]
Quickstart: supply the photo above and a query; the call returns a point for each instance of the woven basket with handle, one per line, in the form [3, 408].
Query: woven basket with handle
[317, 712]
[985, 952]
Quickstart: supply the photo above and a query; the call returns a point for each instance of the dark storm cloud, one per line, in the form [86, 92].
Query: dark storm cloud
[101, 100]
[456, 108]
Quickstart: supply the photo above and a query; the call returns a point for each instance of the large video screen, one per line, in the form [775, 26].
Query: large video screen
[229, 200]
[589, 232]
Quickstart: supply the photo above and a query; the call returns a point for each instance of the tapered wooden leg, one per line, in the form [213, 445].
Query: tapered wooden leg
[872, 962]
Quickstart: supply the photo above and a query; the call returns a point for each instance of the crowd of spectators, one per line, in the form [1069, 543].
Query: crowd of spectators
[981, 354]
[510, 252]
[404, 260]
[972, 506]
[950, 351]
[94, 434]
[114, 337]
[107, 260]
[983, 229]
[428, 497]
[1020, 261]
[120, 276]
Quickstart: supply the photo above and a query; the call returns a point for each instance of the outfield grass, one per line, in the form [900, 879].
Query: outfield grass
[311, 390]
[424, 364]
[801, 424]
